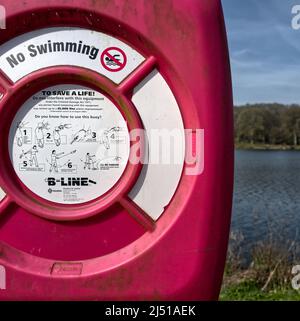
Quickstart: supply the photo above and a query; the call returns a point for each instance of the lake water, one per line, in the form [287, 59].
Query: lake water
[267, 196]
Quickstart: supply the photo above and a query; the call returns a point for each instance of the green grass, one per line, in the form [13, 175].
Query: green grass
[249, 291]
[266, 276]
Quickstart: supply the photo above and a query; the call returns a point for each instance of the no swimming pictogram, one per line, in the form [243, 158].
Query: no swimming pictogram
[113, 59]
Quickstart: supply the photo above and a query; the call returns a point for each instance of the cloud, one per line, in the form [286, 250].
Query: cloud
[264, 51]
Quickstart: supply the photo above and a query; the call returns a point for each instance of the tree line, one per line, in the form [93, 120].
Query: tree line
[274, 124]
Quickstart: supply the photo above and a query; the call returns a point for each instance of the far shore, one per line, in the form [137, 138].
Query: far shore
[245, 146]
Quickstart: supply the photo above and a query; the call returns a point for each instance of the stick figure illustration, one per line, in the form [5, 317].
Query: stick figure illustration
[56, 133]
[82, 135]
[19, 134]
[89, 161]
[109, 133]
[31, 155]
[40, 135]
[56, 156]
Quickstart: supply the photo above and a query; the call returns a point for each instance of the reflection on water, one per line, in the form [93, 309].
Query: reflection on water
[267, 195]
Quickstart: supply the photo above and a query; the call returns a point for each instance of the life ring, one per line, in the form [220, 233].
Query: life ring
[82, 220]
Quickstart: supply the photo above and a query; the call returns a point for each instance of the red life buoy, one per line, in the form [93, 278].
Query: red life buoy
[91, 209]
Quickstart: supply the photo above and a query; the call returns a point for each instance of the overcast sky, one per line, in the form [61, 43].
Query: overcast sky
[264, 49]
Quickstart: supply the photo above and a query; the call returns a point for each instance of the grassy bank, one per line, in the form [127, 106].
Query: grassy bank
[250, 291]
[266, 276]
[249, 146]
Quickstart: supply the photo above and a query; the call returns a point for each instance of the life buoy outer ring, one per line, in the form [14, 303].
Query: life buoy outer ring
[180, 256]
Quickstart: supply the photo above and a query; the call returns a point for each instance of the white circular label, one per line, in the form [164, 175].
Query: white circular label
[69, 144]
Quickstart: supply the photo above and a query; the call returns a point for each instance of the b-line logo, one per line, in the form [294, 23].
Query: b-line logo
[70, 181]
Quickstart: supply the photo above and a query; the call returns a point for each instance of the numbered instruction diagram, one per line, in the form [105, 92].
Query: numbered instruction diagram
[69, 133]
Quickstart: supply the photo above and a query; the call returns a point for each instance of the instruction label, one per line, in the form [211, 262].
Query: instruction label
[69, 144]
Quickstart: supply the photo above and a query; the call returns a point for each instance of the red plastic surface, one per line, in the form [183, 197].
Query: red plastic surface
[114, 255]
